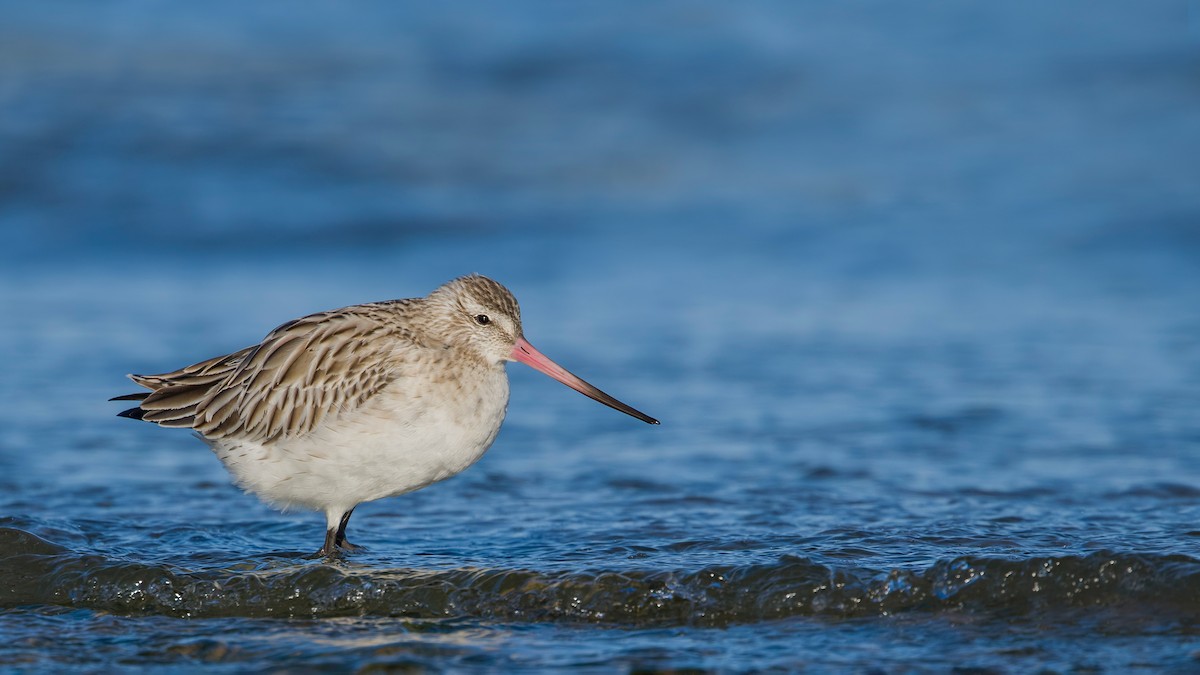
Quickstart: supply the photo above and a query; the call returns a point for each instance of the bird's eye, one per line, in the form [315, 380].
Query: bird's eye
[482, 320]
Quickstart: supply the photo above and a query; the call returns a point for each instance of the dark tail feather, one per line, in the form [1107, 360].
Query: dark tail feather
[132, 413]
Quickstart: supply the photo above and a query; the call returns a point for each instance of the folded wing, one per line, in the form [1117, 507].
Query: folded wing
[303, 372]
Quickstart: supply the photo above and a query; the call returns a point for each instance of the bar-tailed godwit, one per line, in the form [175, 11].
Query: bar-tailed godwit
[360, 403]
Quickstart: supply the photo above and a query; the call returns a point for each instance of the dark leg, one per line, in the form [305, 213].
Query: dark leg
[339, 539]
[330, 548]
[335, 535]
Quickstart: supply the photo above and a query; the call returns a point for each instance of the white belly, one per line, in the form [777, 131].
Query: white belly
[396, 442]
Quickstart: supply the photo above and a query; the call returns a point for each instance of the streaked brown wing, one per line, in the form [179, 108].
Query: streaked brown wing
[197, 374]
[303, 371]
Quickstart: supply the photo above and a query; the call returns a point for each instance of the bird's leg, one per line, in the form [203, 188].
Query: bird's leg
[340, 538]
[335, 534]
[330, 548]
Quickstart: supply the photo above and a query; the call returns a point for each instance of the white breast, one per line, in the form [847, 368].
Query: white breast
[417, 431]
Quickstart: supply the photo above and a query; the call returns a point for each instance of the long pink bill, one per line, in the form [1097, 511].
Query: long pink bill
[525, 353]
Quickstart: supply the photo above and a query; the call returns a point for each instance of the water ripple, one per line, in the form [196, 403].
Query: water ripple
[34, 571]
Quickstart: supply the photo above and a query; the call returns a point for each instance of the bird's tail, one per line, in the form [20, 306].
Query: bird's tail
[176, 394]
[132, 413]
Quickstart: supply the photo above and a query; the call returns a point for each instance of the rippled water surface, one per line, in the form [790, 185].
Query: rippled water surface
[913, 290]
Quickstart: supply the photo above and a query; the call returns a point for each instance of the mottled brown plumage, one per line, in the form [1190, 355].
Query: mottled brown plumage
[284, 386]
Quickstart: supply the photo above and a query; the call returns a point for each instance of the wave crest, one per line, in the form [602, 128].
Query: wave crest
[34, 571]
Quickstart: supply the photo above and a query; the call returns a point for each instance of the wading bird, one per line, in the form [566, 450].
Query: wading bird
[360, 403]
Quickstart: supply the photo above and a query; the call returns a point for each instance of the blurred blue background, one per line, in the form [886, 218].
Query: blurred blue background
[903, 281]
[781, 198]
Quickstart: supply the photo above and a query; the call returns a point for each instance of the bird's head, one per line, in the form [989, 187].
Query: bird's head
[483, 317]
[479, 315]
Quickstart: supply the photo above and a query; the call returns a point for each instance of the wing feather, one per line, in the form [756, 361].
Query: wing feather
[303, 372]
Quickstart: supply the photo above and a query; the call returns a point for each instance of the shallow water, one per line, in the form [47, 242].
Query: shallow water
[914, 294]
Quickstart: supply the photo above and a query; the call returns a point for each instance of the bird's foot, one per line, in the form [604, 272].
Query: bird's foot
[332, 548]
[336, 552]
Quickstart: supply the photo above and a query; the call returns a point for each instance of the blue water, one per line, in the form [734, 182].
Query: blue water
[912, 288]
